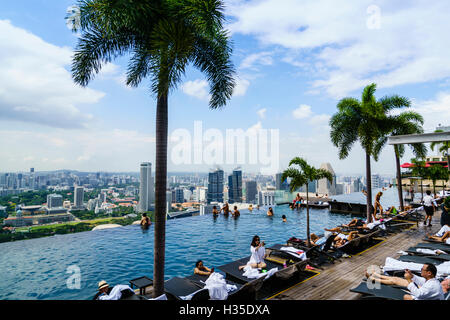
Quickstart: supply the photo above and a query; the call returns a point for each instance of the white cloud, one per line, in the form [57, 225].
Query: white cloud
[337, 44]
[261, 58]
[241, 87]
[262, 113]
[35, 85]
[435, 111]
[197, 88]
[302, 112]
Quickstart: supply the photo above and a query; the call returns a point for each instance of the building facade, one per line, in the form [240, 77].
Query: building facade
[146, 192]
[215, 186]
[235, 187]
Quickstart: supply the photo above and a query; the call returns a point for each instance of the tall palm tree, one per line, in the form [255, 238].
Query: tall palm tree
[408, 122]
[303, 177]
[364, 121]
[163, 37]
[442, 148]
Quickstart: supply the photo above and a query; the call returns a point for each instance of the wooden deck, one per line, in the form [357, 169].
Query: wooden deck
[335, 281]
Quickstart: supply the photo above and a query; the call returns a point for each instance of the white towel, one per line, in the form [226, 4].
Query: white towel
[430, 251]
[250, 272]
[392, 264]
[162, 297]
[295, 252]
[217, 287]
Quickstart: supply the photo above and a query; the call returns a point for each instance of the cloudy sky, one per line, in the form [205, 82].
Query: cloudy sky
[295, 59]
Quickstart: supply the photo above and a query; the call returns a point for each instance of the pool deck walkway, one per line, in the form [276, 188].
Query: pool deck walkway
[335, 281]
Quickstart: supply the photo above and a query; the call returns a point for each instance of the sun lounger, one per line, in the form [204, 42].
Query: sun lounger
[357, 244]
[440, 246]
[177, 287]
[380, 291]
[441, 256]
[419, 259]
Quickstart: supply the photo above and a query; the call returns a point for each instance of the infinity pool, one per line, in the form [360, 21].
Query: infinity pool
[38, 268]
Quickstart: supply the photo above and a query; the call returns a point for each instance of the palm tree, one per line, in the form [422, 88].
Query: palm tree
[366, 121]
[436, 172]
[163, 37]
[408, 122]
[442, 148]
[303, 177]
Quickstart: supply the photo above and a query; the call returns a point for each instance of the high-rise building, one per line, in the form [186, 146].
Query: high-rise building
[376, 181]
[54, 201]
[251, 191]
[281, 185]
[324, 186]
[215, 186]
[235, 186]
[146, 193]
[78, 197]
[179, 195]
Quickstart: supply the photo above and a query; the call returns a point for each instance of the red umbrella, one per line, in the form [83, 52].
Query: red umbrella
[407, 165]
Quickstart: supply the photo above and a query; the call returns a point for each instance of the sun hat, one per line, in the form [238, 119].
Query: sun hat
[102, 284]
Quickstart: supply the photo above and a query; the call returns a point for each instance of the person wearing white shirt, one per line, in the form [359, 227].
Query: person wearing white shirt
[258, 252]
[426, 287]
[430, 206]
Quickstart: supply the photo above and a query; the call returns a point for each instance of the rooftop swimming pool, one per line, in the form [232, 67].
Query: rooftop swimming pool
[38, 268]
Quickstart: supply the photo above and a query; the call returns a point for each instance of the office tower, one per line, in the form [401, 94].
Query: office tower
[54, 201]
[235, 186]
[324, 186]
[251, 191]
[215, 186]
[146, 192]
[280, 185]
[376, 181]
[78, 197]
[179, 195]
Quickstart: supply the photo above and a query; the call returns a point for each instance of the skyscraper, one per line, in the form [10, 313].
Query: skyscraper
[251, 191]
[215, 186]
[281, 185]
[235, 186]
[146, 193]
[324, 186]
[78, 197]
[54, 201]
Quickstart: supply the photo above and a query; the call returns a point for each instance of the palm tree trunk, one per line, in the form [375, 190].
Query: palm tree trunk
[369, 189]
[307, 217]
[399, 179]
[160, 194]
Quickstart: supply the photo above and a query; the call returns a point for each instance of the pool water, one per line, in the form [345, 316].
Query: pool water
[38, 268]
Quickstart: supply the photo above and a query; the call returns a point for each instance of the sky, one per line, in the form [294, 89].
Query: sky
[294, 61]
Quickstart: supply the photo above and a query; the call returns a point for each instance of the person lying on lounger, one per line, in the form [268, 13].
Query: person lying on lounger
[355, 223]
[201, 269]
[341, 239]
[258, 254]
[442, 235]
[402, 282]
[425, 287]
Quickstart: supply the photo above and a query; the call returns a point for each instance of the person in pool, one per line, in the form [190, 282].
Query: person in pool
[145, 221]
[250, 208]
[215, 212]
[258, 252]
[284, 218]
[236, 212]
[270, 212]
[201, 269]
[226, 209]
